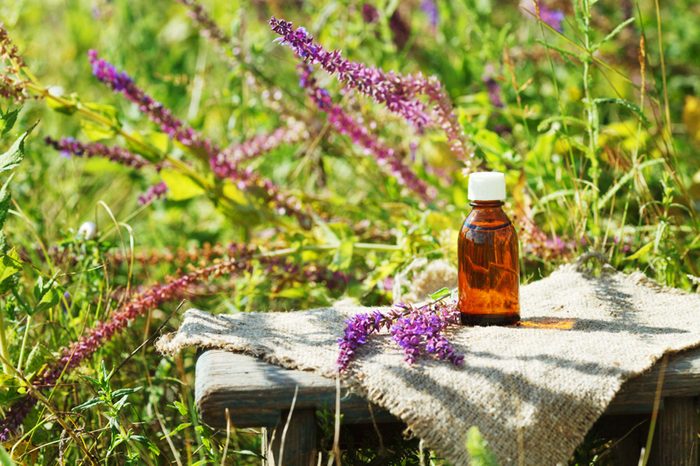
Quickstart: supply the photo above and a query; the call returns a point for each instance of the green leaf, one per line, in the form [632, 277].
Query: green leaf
[614, 32]
[160, 141]
[9, 118]
[343, 255]
[490, 142]
[99, 131]
[641, 252]
[623, 103]
[441, 293]
[181, 407]
[478, 449]
[68, 108]
[547, 122]
[4, 201]
[177, 429]
[50, 298]
[483, 6]
[623, 180]
[325, 233]
[566, 54]
[10, 265]
[95, 131]
[5, 459]
[142, 145]
[121, 403]
[232, 192]
[180, 187]
[296, 292]
[125, 391]
[107, 111]
[88, 404]
[14, 154]
[145, 441]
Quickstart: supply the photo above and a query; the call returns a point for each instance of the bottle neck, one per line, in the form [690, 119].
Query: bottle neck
[486, 204]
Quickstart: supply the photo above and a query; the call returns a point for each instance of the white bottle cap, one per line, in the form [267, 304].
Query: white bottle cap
[487, 186]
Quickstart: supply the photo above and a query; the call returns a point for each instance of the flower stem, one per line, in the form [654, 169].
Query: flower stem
[4, 353]
[146, 149]
[22, 348]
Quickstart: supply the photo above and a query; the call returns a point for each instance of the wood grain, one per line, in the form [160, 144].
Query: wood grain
[256, 392]
[298, 447]
[676, 442]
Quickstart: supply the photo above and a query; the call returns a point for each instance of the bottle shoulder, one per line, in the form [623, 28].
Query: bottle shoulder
[487, 219]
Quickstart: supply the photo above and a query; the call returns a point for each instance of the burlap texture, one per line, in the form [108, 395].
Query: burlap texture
[533, 391]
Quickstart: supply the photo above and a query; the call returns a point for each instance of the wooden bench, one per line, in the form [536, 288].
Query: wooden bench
[258, 394]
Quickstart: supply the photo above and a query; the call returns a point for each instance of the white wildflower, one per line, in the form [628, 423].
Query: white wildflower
[87, 231]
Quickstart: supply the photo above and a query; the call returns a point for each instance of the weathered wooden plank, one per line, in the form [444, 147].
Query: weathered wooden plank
[256, 392]
[297, 445]
[681, 379]
[677, 430]
[247, 386]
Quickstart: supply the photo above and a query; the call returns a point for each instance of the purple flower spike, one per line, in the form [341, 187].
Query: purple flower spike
[246, 180]
[70, 147]
[347, 125]
[154, 192]
[156, 111]
[254, 147]
[553, 17]
[430, 8]
[106, 72]
[493, 88]
[369, 13]
[398, 93]
[71, 356]
[207, 25]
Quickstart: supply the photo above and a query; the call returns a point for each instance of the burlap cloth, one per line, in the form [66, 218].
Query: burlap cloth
[533, 391]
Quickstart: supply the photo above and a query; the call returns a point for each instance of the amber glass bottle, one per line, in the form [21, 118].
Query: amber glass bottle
[489, 271]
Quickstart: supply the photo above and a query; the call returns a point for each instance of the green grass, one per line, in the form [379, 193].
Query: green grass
[599, 149]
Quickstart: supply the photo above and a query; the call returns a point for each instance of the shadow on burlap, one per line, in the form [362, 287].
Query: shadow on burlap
[533, 390]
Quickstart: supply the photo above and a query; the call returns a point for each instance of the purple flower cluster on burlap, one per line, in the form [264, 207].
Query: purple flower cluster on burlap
[421, 332]
[154, 192]
[74, 354]
[399, 93]
[345, 124]
[221, 165]
[358, 328]
[417, 330]
[70, 146]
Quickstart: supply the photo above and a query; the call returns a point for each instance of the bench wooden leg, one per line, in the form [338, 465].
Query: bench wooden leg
[678, 425]
[299, 440]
